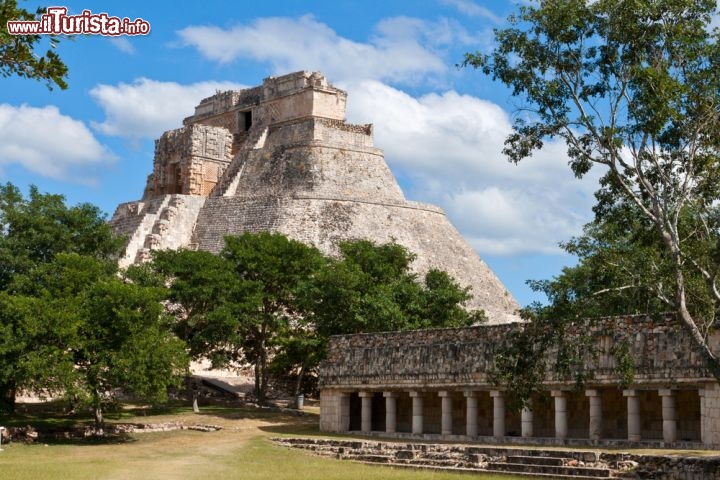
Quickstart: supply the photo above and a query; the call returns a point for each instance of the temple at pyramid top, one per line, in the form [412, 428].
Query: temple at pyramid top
[280, 157]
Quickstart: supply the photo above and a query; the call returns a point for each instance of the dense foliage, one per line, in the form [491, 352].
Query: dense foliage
[19, 54]
[69, 324]
[633, 88]
[272, 302]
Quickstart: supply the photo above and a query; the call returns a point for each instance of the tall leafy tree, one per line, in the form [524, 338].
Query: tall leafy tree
[33, 231]
[235, 306]
[21, 54]
[632, 88]
[88, 333]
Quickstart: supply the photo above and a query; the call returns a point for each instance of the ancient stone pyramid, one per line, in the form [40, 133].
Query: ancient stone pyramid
[280, 157]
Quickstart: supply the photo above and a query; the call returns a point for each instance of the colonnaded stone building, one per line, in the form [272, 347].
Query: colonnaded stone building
[435, 384]
[281, 157]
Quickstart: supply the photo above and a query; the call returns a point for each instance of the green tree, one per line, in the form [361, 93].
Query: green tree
[33, 231]
[19, 53]
[631, 87]
[273, 302]
[125, 342]
[371, 288]
[234, 306]
[88, 333]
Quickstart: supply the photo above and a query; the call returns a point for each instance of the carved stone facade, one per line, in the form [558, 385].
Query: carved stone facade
[189, 161]
[434, 384]
[280, 157]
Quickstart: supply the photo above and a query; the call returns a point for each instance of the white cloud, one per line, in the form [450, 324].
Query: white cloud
[49, 143]
[123, 44]
[146, 108]
[472, 9]
[402, 48]
[450, 144]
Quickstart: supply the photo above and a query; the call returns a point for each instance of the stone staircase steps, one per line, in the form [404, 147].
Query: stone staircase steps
[486, 471]
[576, 464]
[586, 472]
[536, 460]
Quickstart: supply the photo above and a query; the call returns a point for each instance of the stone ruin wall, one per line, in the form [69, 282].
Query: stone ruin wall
[458, 360]
[662, 352]
[189, 161]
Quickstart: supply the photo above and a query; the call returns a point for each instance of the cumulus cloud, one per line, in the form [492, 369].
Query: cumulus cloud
[68, 154]
[450, 146]
[123, 44]
[146, 108]
[402, 49]
[472, 9]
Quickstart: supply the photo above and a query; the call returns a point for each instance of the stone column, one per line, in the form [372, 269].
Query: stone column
[669, 415]
[526, 421]
[633, 415]
[390, 411]
[703, 417]
[471, 414]
[561, 425]
[498, 413]
[345, 412]
[446, 409]
[595, 430]
[366, 412]
[417, 412]
[710, 414]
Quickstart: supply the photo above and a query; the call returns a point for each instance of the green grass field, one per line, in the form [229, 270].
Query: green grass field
[242, 449]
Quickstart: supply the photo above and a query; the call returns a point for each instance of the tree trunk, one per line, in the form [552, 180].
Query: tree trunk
[263, 376]
[196, 408]
[257, 382]
[7, 398]
[298, 382]
[99, 420]
[712, 363]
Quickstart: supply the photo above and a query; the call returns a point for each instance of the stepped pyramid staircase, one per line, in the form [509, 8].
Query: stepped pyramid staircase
[575, 464]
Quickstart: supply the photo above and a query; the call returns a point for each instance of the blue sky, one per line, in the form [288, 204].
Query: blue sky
[442, 128]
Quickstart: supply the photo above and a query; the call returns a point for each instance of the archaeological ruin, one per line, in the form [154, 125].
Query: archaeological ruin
[280, 157]
[435, 385]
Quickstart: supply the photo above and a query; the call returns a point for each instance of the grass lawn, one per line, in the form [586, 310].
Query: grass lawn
[242, 449]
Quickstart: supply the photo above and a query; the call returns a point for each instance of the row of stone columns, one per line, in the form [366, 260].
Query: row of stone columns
[669, 414]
